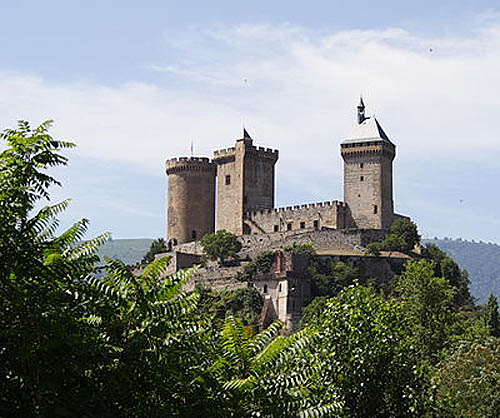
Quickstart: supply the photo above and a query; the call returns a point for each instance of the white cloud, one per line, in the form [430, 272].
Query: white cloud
[437, 97]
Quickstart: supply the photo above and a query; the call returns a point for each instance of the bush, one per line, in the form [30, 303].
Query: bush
[220, 246]
[305, 248]
[262, 264]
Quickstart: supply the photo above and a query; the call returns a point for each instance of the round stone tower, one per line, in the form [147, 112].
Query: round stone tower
[191, 199]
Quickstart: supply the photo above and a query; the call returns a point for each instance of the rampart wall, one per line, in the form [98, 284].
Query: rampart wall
[299, 217]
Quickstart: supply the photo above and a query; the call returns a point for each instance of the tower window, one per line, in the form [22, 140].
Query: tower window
[361, 165]
[362, 178]
[316, 224]
[265, 288]
[289, 227]
[228, 180]
[276, 228]
[302, 225]
[279, 289]
[375, 209]
[193, 234]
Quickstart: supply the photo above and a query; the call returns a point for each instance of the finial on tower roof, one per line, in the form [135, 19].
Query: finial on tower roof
[246, 135]
[361, 111]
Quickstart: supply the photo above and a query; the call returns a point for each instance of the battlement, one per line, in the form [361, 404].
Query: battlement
[295, 208]
[262, 152]
[189, 164]
[224, 152]
[354, 149]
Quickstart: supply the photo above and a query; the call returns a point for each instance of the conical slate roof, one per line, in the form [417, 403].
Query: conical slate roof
[367, 131]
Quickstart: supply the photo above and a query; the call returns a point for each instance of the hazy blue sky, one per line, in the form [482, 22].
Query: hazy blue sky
[133, 83]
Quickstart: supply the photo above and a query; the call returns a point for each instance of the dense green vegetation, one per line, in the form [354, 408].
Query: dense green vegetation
[73, 344]
[480, 259]
[220, 246]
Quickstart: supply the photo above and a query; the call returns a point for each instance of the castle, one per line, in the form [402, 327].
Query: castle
[235, 192]
[240, 183]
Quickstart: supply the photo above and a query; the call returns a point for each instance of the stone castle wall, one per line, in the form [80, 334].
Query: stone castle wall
[300, 217]
[325, 239]
[368, 183]
[245, 181]
[191, 199]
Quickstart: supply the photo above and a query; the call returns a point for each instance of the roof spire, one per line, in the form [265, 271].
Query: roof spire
[246, 135]
[361, 111]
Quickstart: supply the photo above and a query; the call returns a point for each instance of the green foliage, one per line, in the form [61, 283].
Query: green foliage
[428, 307]
[313, 312]
[480, 259]
[403, 236]
[305, 248]
[262, 263]
[364, 353]
[158, 246]
[220, 246]
[468, 381]
[261, 374]
[374, 248]
[45, 346]
[492, 316]
[329, 277]
[445, 267]
[245, 304]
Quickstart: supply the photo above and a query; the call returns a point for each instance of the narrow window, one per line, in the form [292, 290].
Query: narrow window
[276, 228]
[362, 178]
[193, 234]
[375, 209]
[228, 180]
[361, 165]
[265, 288]
[316, 224]
[302, 225]
[288, 227]
[279, 288]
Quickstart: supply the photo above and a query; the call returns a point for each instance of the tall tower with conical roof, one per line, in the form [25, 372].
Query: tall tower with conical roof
[368, 191]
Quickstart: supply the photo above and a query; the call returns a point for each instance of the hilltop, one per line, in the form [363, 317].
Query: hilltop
[480, 259]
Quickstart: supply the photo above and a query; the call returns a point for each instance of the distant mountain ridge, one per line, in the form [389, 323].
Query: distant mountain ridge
[480, 259]
[130, 251]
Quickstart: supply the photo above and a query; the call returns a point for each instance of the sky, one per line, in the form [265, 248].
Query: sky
[135, 83]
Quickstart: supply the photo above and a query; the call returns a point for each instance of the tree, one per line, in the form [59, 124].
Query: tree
[158, 246]
[220, 246]
[364, 353]
[403, 236]
[407, 232]
[46, 348]
[428, 306]
[446, 267]
[468, 381]
[265, 375]
[493, 316]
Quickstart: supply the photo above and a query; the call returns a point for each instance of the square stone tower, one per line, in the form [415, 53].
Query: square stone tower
[368, 155]
[245, 182]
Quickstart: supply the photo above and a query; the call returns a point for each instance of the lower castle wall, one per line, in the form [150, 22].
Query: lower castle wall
[326, 239]
[299, 217]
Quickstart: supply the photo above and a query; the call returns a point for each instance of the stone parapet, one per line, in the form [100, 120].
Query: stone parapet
[175, 165]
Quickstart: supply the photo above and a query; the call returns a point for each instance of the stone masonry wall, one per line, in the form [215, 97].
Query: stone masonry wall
[325, 239]
[291, 218]
[191, 199]
[368, 183]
